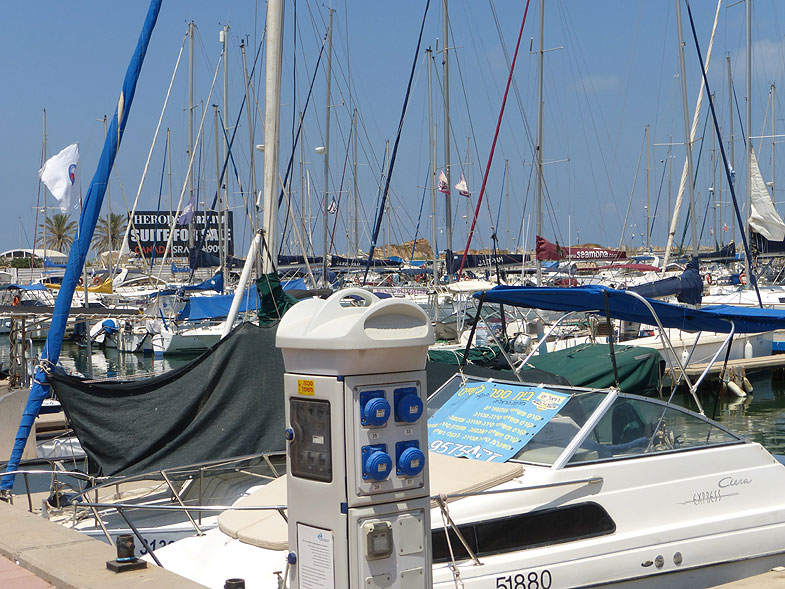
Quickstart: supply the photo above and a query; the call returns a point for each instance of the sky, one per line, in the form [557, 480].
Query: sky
[610, 69]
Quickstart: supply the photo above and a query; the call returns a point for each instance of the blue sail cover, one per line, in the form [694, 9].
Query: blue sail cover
[76, 257]
[217, 306]
[623, 305]
[688, 287]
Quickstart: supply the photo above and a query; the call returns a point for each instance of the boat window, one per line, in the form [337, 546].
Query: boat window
[635, 426]
[528, 530]
[548, 444]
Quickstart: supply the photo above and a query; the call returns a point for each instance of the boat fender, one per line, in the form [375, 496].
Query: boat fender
[743, 278]
[736, 389]
[746, 385]
[749, 352]
[708, 279]
[16, 300]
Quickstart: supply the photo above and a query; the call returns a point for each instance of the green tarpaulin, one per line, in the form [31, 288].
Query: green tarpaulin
[589, 365]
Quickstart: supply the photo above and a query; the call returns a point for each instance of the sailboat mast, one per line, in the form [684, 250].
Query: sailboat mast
[272, 110]
[326, 200]
[45, 210]
[446, 95]
[223, 216]
[732, 139]
[687, 135]
[432, 142]
[648, 188]
[356, 249]
[748, 143]
[507, 182]
[221, 235]
[191, 224]
[714, 184]
[251, 146]
[773, 135]
[538, 151]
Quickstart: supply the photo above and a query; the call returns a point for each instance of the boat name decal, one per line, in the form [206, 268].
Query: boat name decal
[526, 580]
[731, 482]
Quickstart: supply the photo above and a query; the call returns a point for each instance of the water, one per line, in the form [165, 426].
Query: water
[760, 416]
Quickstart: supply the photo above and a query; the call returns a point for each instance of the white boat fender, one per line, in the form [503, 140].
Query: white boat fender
[748, 351]
[736, 389]
[746, 385]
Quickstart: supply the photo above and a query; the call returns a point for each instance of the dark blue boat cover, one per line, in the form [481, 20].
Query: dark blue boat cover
[625, 306]
[688, 287]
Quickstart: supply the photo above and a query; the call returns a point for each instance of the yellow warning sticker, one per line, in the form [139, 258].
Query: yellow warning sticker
[305, 387]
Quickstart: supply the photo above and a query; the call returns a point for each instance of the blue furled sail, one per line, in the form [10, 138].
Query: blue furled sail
[76, 258]
[688, 287]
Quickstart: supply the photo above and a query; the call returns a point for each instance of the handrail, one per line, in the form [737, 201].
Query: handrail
[587, 481]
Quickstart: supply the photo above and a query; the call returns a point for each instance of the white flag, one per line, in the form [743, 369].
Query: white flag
[60, 174]
[462, 188]
[443, 184]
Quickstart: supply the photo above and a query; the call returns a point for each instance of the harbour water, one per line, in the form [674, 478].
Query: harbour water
[760, 416]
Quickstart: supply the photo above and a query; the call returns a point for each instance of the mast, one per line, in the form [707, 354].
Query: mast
[713, 188]
[326, 200]
[538, 150]
[191, 224]
[732, 139]
[224, 214]
[446, 95]
[356, 195]
[221, 235]
[39, 183]
[251, 146]
[773, 135]
[648, 188]
[748, 143]
[687, 135]
[432, 142]
[507, 191]
[387, 204]
[272, 111]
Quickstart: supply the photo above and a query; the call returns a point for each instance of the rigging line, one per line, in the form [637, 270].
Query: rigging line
[495, 137]
[657, 202]
[471, 124]
[632, 192]
[419, 217]
[752, 278]
[694, 185]
[338, 202]
[158, 208]
[38, 208]
[499, 210]
[380, 213]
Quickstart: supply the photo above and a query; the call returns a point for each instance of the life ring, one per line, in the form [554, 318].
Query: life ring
[16, 301]
[97, 280]
[743, 278]
[708, 279]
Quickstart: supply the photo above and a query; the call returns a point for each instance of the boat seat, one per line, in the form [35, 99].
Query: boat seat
[448, 476]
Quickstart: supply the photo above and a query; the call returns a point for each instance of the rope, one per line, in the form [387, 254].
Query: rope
[493, 145]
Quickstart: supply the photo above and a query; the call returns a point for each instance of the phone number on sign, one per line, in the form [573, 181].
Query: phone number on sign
[531, 580]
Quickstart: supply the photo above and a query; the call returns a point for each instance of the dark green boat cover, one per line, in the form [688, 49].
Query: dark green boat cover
[274, 300]
[228, 402]
[589, 365]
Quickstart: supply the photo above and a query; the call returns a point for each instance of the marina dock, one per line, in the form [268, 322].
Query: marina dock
[773, 362]
[51, 555]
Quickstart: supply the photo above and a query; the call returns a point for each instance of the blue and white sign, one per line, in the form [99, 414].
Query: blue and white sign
[491, 422]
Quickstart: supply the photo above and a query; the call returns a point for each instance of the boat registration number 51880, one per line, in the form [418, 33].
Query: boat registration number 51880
[526, 580]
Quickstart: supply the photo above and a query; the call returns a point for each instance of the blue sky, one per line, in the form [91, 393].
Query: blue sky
[614, 71]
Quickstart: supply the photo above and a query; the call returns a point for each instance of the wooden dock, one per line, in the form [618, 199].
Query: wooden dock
[749, 364]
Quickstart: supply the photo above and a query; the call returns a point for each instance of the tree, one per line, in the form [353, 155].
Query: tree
[109, 232]
[60, 231]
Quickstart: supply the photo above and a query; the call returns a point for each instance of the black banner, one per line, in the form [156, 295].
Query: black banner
[150, 230]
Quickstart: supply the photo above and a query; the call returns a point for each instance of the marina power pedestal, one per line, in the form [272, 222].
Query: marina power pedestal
[357, 482]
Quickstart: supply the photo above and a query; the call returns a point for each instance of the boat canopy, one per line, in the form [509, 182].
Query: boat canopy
[627, 307]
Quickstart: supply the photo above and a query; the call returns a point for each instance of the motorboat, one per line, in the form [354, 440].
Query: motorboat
[609, 488]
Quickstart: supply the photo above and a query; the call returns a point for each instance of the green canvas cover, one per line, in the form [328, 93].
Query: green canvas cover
[274, 300]
[589, 365]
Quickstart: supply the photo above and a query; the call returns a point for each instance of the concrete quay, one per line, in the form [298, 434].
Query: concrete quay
[65, 558]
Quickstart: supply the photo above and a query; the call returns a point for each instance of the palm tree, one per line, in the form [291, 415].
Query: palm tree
[109, 232]
[60, 231]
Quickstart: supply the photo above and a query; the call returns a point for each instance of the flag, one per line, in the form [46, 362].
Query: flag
[725, 227]
[188, 212]
[332, 208]
[60, 174]
[462, 188]
[732, 173]
[444, 186]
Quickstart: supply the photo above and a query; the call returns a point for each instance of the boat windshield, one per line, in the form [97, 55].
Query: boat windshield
[626, 426]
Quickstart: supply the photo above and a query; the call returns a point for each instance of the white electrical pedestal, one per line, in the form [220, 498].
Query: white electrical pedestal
[357, 488]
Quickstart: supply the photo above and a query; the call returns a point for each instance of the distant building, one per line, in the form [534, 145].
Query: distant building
[53, 255]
